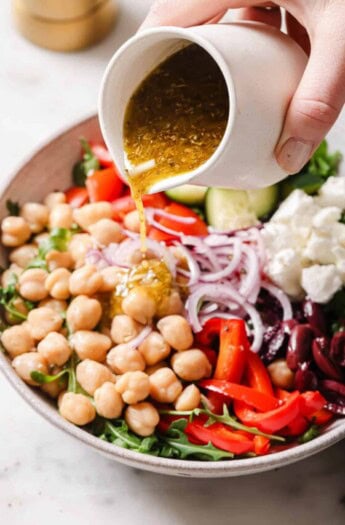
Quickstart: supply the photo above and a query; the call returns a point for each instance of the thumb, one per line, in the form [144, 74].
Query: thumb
[318, 99]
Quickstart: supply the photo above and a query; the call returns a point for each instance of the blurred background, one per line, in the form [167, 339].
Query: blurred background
[47, 477]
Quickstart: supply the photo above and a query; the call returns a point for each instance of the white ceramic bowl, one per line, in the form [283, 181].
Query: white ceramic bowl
[50, 169]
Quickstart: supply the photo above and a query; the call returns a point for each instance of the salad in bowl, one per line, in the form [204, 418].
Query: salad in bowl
[224, 341]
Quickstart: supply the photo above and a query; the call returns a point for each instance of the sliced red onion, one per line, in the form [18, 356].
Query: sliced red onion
[194, 270]
[202, 249]
[96, 258]
[136, 341]
[251, 279]
[282, 298]
[229, 269]
[171, 216]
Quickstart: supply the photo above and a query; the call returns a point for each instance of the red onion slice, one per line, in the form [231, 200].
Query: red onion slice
[229, 269]
[162, 213]
[136, 341]
[194, 270]
[282, 298]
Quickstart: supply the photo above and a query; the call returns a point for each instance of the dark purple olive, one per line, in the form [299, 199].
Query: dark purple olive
[334, 393]
[305, 379]
[337, 350]
[299, 347]
[315, 317]
[336, 408]
[274, 342]
[320, 351]
[333, 386]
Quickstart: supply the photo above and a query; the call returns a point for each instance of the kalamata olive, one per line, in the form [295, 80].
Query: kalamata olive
[333, 386]
[299, 347]
[337, 350]
[315, 317]
[320, 349]
[334, 392]
[305, 379]
[275, 339]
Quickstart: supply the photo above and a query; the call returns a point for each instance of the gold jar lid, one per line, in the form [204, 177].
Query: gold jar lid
[60, 9]
[67, 34]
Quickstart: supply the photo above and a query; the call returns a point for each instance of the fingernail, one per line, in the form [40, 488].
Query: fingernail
[294, 154]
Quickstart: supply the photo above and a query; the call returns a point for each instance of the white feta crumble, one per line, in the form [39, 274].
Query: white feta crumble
[320, 282]
[285, 270]
[298, 206]
[332, 193]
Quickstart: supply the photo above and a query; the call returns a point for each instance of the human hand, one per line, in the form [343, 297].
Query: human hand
[319, 27]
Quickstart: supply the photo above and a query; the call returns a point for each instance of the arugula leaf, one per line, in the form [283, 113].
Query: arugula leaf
[13, 207]
[69, 372]
[335, 310]
[322, 165]
[309, 434]
[57, 240]
[119, 434]
[8, 295]
[88, 164]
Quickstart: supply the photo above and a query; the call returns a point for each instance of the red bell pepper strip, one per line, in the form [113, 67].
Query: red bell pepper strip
[198, 227]
[221, 437]
[256, 374]
[209, 353]
[77, 196]
[248, 395]
[102, 154]
[261, 445]
[297, 427]
[233, 350]
[311, 402]
[272, 421]
[210, 332]
[216, 402]
[321, 417]
[104, 185]
[157, 235]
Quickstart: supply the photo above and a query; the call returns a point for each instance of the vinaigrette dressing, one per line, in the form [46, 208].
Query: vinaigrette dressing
[174, 121]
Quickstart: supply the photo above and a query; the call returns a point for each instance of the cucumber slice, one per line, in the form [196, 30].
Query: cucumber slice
[188, 194]
[264, 200]
[228, 209]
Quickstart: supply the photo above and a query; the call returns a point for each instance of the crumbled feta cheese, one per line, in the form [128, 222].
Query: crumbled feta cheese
[285, 271]
[319, 249]
[332, 193]
[298, 208]
[326, 217]
[321, 282]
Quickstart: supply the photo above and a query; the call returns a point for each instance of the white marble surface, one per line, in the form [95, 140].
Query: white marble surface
[45, 476]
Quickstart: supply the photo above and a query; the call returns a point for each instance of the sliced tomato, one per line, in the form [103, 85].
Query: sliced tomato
[77, 196]
[104, 185]
[251, 397]
[102, 154]
[198, 227]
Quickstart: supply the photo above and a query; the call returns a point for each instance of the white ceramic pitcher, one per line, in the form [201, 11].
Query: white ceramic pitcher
[262, 68]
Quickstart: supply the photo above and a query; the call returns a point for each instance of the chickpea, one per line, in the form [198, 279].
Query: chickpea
[281, 375]
[123, 358]
[91, 375]
[152, 369]
[142, 418]
[111, 277]
[40, 238]
[92, 213]
[123, 329]
[170, 305]
[91, 345]
[55, 349]
[56, 259]
[133, 386]
[154, 348]
[57, 283]
[32, 284]
[139, 305]
[23, 255]
[19, 305]
[176, 331]
[191, 365]
[61, 216]
[108, 401]
[17, 340]
[77, 408]
[85, 281]
[131, 221]
[54, 198]
[24, 364]
[54, 388]
[36, 215]
[83, 313]
[54, 304]
[188, 399]
[164, 386]
[43, 320]
[105, 232]
[8, 275]
[15, 231]
[79, 245]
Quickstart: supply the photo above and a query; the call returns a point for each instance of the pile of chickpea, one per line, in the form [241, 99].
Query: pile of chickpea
[119, 379]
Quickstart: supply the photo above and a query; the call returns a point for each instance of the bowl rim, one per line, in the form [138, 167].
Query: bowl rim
[235, 467]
